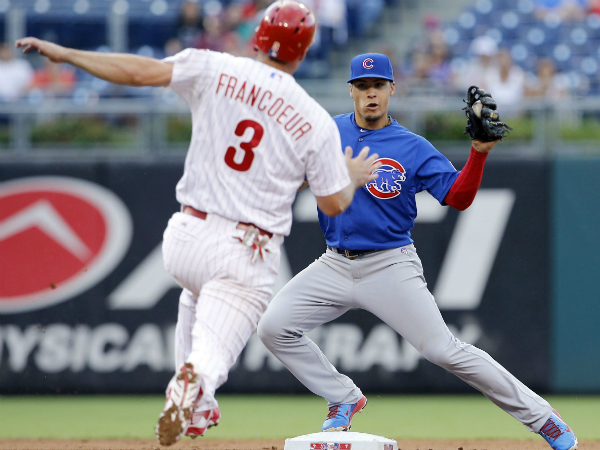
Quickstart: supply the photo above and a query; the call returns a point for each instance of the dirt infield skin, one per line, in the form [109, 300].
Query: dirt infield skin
[268, 444]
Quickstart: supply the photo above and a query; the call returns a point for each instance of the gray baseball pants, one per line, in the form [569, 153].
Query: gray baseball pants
[391, 285]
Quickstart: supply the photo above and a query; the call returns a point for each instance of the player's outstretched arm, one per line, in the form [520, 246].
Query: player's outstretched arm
[119, 68]
[361, 171]
[485, 129]
[465, 187]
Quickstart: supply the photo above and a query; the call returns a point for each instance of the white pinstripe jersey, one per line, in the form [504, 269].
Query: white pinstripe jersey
[256, 135]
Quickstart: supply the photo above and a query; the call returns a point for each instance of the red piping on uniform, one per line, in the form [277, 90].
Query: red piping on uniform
[463, 191]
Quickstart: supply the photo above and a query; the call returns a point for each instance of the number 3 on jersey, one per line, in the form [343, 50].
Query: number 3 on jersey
[246, 146]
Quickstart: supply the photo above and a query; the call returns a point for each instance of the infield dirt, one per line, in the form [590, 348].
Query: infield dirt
[269, 444]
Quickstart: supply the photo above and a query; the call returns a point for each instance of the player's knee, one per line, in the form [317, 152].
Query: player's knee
[264, 333]
[274, 330]
[269, 329]
[440, 353]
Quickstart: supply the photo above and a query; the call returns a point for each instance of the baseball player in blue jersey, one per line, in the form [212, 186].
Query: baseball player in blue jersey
[371, 263]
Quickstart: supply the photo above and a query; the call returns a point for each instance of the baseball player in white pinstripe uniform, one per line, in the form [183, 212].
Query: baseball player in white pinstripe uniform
[256, 136]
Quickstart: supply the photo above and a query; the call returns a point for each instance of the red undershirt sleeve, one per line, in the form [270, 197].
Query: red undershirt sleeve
[462, 193]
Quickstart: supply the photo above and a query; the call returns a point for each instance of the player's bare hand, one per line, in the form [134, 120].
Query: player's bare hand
[483, 147]
[53, 52]
[361, 168]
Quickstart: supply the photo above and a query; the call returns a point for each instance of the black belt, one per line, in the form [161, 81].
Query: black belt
[351, 253]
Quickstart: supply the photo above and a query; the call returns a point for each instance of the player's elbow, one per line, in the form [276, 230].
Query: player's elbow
[461, 207]
[335, 204]
[139, 78]
[333, 211]
[332, 205]
[155, 73]
[458, 202]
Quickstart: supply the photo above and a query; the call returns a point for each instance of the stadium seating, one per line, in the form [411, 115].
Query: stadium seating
[85, 24]
[574, 47]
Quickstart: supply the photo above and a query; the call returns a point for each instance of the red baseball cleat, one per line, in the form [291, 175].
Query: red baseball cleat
[202, 421]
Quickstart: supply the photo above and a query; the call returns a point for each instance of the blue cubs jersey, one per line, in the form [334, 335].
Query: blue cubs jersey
[383, 211]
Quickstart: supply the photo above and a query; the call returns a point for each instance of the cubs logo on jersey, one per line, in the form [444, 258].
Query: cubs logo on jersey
[388, 183]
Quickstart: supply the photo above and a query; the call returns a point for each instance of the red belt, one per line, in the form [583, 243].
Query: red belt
[241, 226]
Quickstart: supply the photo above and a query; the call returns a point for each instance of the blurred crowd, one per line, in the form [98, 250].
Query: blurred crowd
[430, 72]
[229, 28]
[430, 69]
[19, 77]
[224, 26]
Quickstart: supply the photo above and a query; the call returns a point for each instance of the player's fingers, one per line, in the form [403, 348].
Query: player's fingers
[363, 153]
[371, 159]
[24, 42]
[376, 166]
[348, 153]
[28, 48]
[27, 45]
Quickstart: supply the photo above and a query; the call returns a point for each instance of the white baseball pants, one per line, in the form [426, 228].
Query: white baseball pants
[391, 285]
[224, 294]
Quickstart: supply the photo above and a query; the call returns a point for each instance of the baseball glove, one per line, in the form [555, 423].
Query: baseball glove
[483, 121]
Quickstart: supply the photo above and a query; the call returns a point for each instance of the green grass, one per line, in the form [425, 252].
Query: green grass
[588, 129]
[451, 127]
[431, 417]
[4, 135]
[80, 130]
[437, 127]
[179, 129]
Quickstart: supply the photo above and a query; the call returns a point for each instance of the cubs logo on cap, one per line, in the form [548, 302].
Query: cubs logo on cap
[371, 65]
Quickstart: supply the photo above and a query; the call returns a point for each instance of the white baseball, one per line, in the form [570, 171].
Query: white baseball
[477, 108]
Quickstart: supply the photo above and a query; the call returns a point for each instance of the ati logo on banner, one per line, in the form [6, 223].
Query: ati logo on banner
[58, 237]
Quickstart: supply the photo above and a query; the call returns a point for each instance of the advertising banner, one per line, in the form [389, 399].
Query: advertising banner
[86, 306]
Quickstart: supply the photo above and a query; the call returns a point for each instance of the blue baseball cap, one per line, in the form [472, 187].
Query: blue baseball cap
[371, 65]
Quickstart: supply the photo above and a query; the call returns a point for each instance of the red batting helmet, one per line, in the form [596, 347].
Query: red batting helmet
[286, 30]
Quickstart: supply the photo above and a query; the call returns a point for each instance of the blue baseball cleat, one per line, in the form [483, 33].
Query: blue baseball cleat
[558, 434]
[340, 416]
